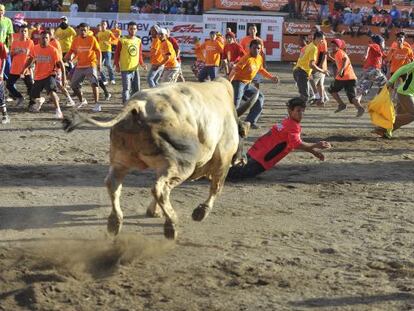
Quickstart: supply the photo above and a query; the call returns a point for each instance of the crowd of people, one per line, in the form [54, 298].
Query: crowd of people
[375, 16]
[54, 61]
[33, 5]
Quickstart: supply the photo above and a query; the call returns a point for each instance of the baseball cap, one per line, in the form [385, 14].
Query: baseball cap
[163, 31]
[157, 28]
[338, 42]
[64, 17]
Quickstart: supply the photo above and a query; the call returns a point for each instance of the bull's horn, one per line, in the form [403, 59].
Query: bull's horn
[247, 105]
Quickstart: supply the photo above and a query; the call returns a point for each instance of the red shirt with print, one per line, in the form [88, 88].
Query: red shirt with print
[277, 143]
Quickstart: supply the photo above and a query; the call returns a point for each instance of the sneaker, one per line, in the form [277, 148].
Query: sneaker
[5, 119]
[360, 112]
[97, 108]
[9, 99]
[70, 102]
[37, 105]
[108, 97]
[105, 82]
[113, 82]
[83, 103]
[59, 114]
[340, 108]
[20, 102]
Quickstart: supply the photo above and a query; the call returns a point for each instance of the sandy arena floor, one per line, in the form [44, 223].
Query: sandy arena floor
[306, 235]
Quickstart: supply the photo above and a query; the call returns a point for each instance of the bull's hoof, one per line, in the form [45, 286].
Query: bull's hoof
[154, 213]
[201, 212]
[170, 232]
[114, 224]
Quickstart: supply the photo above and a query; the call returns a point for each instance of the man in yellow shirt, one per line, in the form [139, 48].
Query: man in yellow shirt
[156, 58]
[128, 57]
[105, 38]
[65, 35]
[306, 63]
[241, 78]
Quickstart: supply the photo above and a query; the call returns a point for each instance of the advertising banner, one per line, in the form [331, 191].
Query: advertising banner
[263, 5]
[270, 29]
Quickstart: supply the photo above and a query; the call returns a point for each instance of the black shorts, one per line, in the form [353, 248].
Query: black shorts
[348, 85]
[48, 84]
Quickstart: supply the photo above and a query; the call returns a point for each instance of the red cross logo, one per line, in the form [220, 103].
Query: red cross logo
[269, 44]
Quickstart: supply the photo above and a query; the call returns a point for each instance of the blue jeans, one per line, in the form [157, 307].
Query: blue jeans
[154, 76]
[242, 89]
[130, 84]
[208, 71]
[106, 61]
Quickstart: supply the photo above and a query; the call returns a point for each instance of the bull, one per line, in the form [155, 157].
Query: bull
[183, 131]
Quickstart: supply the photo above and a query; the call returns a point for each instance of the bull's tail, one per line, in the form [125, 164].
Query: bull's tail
[75, 119]
[247, 105]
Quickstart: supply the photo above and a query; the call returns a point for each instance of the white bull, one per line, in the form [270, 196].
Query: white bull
[182, 131]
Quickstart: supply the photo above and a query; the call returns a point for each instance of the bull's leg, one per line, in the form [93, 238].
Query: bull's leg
[167, 181]
[154, 210]
[113, 183]
[217, 182]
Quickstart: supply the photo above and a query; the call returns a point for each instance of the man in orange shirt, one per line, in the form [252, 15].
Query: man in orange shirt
[170, 63]
[345, 79]
[242, 76]
[156, 58]
[46, 58]
[19, 51]
[117, 34]
[245, 43]
[199, 54]
[213, 48]
[400, 54]
[88, 53]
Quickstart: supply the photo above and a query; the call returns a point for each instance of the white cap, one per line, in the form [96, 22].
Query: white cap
[157, 28]
[163, 31]
[64, 17]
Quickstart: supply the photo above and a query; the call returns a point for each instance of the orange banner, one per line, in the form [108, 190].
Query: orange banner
[263, 5]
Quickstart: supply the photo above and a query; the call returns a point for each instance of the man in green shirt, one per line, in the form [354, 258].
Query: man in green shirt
[6, 36]
[6, 27]
[405, 92]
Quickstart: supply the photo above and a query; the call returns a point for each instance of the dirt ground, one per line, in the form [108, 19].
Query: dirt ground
[307, 235]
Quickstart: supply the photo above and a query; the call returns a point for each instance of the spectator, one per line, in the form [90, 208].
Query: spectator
[348, 18]
[395, 15]
[357, 17]
[324, 10]
[114, 6]
[27, 5]
[164, 6]
[74, 8]
[147, 8]
[174, 8]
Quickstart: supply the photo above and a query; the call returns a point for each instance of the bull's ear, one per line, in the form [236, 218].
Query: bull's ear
[247, 105]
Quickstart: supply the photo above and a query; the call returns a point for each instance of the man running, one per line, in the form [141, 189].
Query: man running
[86, 50]
[245, 43]
[306, 63]
[46, 58]
[128, 58]
[105, 38]
[5, 119]
[241, 78]
[20, 51]
[156, 58]
[233, 51]
[213, 49]
[170, 63]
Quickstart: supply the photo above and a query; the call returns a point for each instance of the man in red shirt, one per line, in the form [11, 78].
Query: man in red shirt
[277, 143]
[372, 72]
[233, 51]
